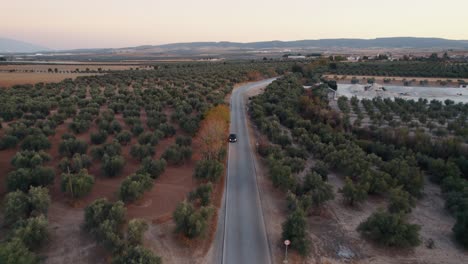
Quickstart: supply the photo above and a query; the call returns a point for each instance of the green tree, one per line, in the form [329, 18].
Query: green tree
[32, 232]
[202, 193]
[22, 179]
[134, 186]
[354, 193]
[136, 229]
[210, 170]
[16, 252]
[77, 185]
[295, 230]
[319, 191]
[137, 255]
[460, 229]
[153, 167]
[112, 165]
[400, 201]
[189, 221]
[390, 230]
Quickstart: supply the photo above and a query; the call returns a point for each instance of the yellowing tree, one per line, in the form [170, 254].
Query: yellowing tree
[213, 131]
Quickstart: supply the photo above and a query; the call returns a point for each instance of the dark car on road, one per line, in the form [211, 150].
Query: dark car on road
[232, 138]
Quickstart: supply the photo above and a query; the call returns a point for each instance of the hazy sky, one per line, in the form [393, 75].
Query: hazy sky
[65, 24]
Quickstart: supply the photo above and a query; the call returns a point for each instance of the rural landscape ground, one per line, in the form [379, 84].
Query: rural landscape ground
[119, 162]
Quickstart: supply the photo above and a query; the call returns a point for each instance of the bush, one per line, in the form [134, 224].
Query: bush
[354, 193]
[104, 219]
[136, 229]
[321, 169]
[35, 142]
[183, 140]
[177, 155]
[148, 138]
[32, 232]
[109, 149]
[460, 229]
[124, 137]
[8, 141]
[77, 185]
[19, 205]
[153, 167]
[29, 159]
[202, 194]
[22, 179]
[190, 222]
[134, 186]
[141, 152]
[76, 164]
[210, 170]
[112, 165]
[71, 146]
[319, 191]
[295, 230]
[99, 137]
[137, 255]
[137, 129]
[400, 201]
[15, 251]
[390, 230]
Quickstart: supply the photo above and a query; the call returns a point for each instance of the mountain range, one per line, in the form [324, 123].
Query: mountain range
[14, 46]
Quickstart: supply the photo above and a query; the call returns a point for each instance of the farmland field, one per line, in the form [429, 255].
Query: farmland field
[134, 136]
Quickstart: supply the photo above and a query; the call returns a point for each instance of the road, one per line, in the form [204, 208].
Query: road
[241, 236]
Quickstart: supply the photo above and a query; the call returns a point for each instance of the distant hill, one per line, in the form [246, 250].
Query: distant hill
[15, 46]
[399, 42]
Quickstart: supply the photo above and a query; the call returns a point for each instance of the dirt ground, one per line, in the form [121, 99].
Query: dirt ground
[67, 67]
[8, 79]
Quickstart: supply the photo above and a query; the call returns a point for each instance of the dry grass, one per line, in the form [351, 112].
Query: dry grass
[8, 79]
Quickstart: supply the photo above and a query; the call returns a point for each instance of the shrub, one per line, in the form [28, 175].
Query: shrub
[29, 159]
[354, 193]
[321, 169]
[210, 170]
[460, 229]
[8, 141]
[400, 201]
[15, 251]
[183, 140]
[202, 194]
[99, 137]
[22, 179]
[71, 146]
[148, 138]
[32, 232]
[74, 165]
[77, 185]
[134, 186]
[104, 219]
[35, 142]
[19, 205]
[177, 155]
[141, 152]
[319, 191]
[136, 229]
[390, 230]
[191, 222]
[112, 165]
[137, 129]
[124, 137]
[137, 255]
[295, 230]
[153, 167]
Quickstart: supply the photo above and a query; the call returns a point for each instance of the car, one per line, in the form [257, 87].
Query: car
[232, 138]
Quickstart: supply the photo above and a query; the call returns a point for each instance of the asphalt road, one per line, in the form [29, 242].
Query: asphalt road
[241, 236]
